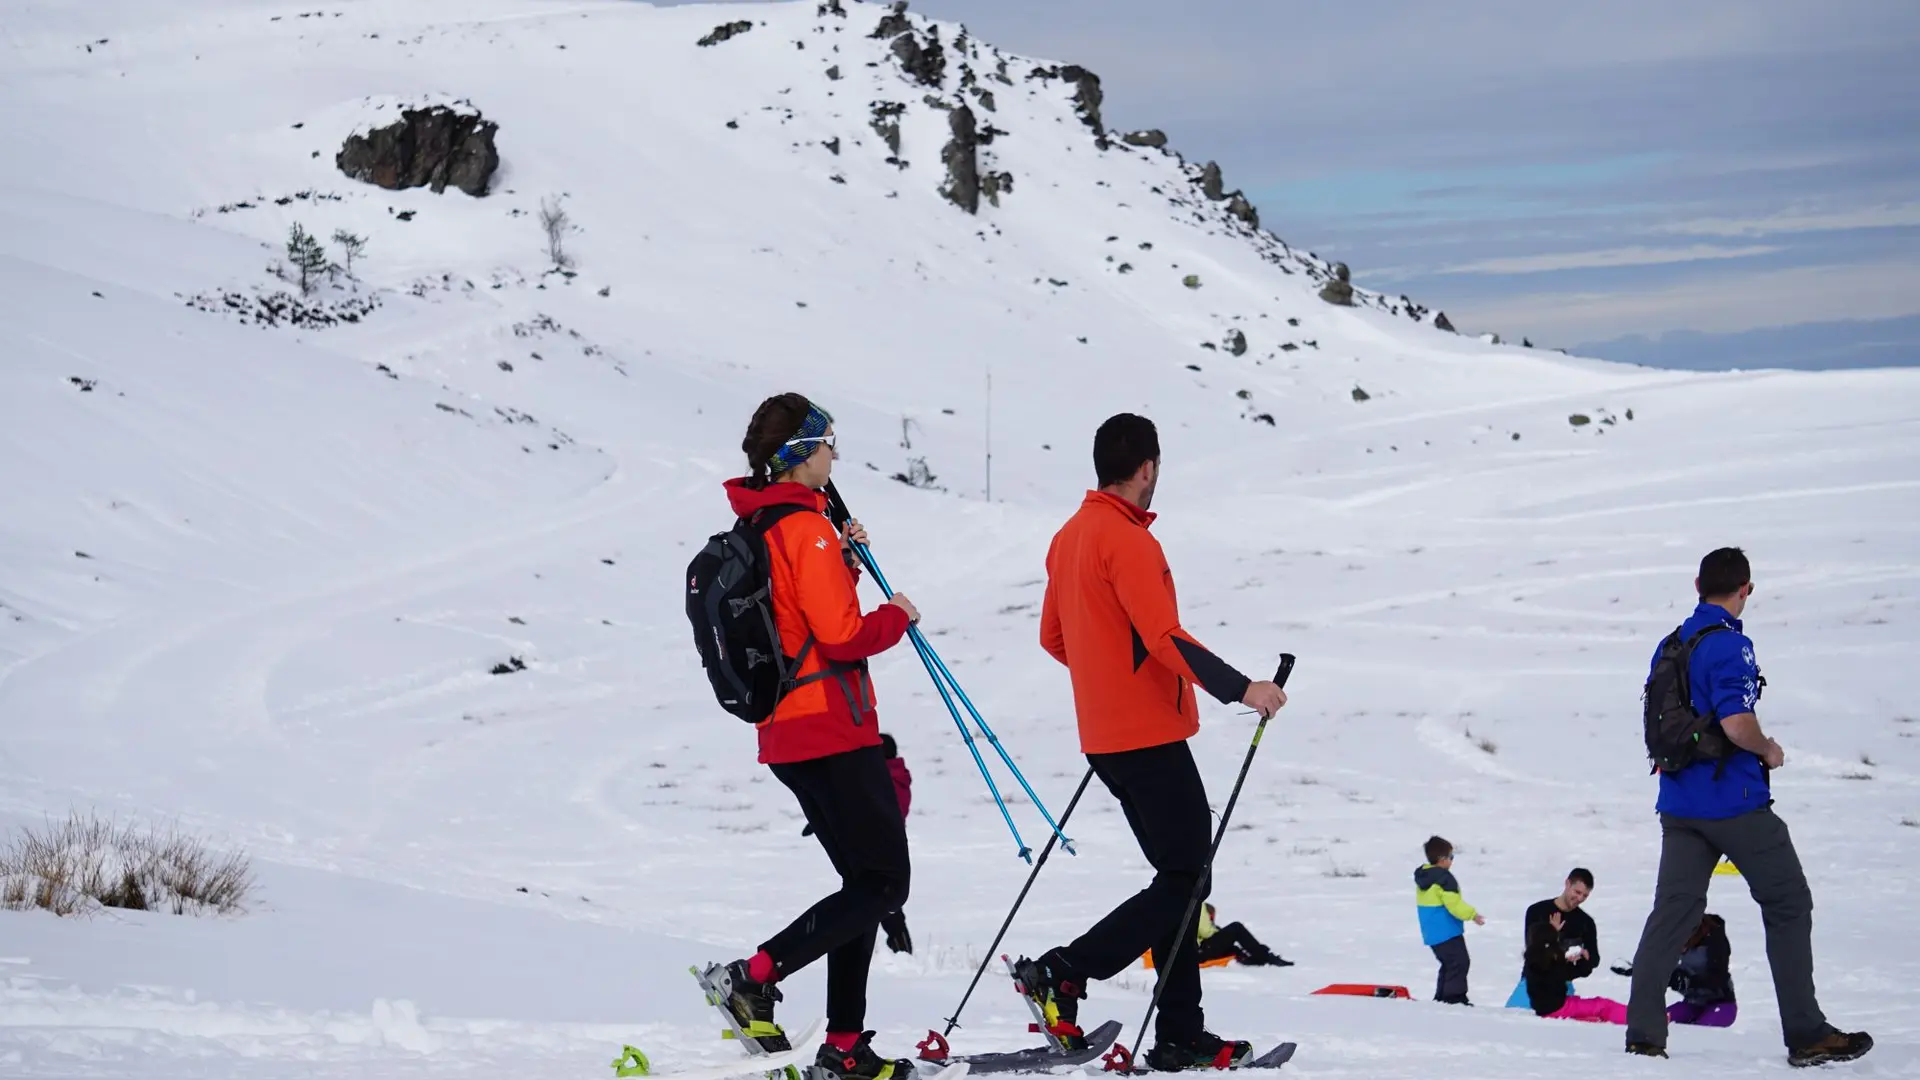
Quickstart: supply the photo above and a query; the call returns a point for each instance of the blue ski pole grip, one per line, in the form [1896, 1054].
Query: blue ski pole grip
[1285, 669]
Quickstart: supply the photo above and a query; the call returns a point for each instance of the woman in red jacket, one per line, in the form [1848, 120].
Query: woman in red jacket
[822, 741]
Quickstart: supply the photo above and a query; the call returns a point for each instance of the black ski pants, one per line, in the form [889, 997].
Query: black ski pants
[1160, 792]
[1451, 986]
[1233, 939]
[1759, 844]
[848, 799]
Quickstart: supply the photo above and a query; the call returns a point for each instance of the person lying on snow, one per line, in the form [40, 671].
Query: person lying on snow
[1703, 979]
[1551, 964]
[1234, 941]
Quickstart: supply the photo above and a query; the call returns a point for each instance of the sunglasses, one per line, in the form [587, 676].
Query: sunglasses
[830, 441]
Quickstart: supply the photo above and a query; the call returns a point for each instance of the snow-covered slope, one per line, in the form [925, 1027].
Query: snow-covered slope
[254, 578]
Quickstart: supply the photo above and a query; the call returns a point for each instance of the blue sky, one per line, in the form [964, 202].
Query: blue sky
[1694, 183]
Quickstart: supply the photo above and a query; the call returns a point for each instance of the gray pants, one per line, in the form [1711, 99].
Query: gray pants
[1758, 844]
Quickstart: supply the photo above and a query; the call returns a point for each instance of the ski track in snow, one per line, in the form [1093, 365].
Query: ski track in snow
[261, 575]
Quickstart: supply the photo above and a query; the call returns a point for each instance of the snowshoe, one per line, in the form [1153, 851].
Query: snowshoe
[1204, 1051]
[857, 1063]
[748, 1003]
[1054, 991]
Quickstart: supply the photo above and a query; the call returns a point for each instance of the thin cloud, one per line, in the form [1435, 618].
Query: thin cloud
[1899, 215]
[1610, 257]
[1873, 290]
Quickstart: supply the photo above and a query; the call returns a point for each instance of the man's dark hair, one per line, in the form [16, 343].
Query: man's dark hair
[1123, 444]
[887, 745]
[1582, 875]
[1722, 572]
[1437, 849]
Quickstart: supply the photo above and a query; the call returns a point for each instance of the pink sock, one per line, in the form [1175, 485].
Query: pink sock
[842, 1040]
[760, 968]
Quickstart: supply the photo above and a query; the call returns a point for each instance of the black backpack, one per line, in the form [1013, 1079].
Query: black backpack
[730, 604]
[1677, 736]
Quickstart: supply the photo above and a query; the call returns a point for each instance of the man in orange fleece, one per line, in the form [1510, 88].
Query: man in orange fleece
[1111, 616]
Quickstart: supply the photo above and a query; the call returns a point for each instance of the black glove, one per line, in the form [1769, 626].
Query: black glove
[1681, 982]
[898, 939]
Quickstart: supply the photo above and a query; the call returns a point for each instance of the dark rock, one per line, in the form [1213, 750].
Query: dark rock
[962, 187]
[1193, 367]
[1243, 395]
[1264, 418]
[1361, 395]
[1236, 343]
[994, 185]
[1087, 96]
[725, 32]
[987, 102]
[830, 7]
[1338, 290]
[1153, 138]
[512, 665]
[1290, 347]
[833, 146]
[886, 123]
[1191, 281]
[1211, 184]
[430, 147]
[1239, 207]
[1526, 343]
[926, 63]
[1441, 322]
[834, 73]
[893, 23]
[1579, 419]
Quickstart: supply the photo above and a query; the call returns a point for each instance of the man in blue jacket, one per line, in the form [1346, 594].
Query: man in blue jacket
[1724, 806]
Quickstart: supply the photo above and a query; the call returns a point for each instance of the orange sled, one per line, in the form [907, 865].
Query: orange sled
[1220, 961]
[1365, 990]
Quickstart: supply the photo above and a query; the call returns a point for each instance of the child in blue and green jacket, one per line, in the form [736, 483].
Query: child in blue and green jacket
[1443, 916]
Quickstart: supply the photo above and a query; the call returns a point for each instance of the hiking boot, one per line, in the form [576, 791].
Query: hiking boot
[750, 1003]
[1834, 1046]
[1204, 1051]
[1056, 991]
[1646, 1050]
[857, 1063]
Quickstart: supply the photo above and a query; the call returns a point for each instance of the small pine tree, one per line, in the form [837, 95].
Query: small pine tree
[308, 258]
[352, 246]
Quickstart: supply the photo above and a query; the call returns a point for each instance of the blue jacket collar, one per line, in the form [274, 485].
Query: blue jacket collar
[1718, 614]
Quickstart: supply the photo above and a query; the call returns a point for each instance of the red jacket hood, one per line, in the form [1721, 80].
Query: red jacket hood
[746, 501]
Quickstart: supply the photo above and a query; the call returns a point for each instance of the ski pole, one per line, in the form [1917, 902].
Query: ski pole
[1120, 1059]
[839, 515]
[981, 721]
[938, 1043]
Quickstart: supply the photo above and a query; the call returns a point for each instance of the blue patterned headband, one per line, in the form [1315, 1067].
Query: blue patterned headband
[795, 452]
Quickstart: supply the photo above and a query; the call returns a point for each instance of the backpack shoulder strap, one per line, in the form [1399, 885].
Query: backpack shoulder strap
[1704, 632]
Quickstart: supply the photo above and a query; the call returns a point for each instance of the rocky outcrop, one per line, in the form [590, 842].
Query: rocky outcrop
[1236, 343]
[993, 185]
[1441, 322]
[893, 23]
[886, 124]
[962, 186]
[830, 7]
[1087, 96]
[1152, 138]
[1212, 185]
[1239, 207]
[925, 62]
[724, 32]
[1338, 290]
[431, 147]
